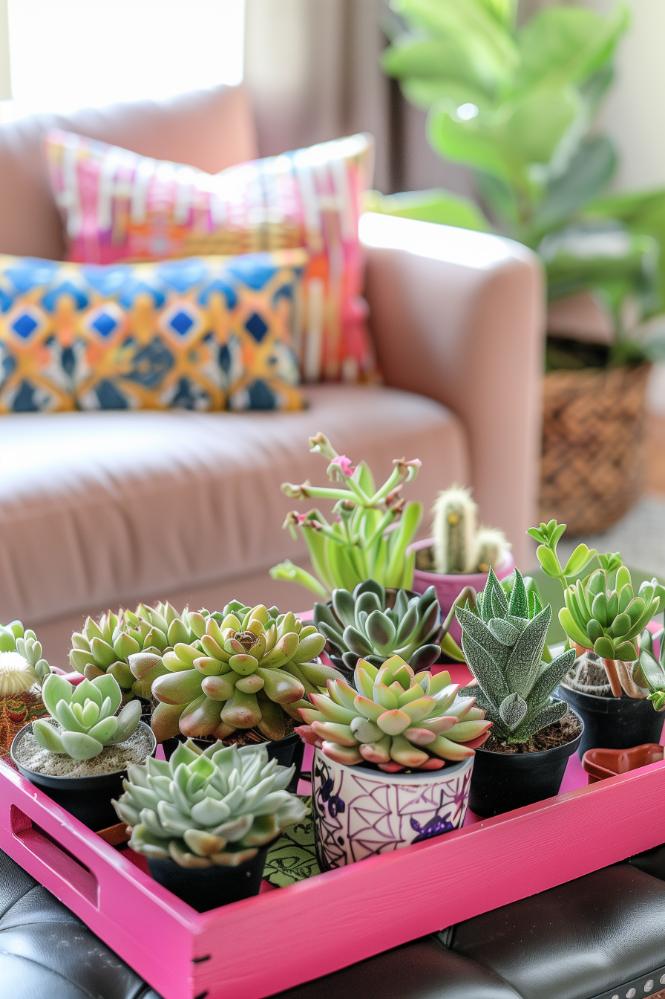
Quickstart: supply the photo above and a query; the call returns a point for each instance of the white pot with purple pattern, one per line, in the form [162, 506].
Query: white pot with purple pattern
[359, 811]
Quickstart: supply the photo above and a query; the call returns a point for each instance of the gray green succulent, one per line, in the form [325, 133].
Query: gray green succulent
[83, 718]
[212, 807]
[373, 623]
[503, 646]
[249, 670]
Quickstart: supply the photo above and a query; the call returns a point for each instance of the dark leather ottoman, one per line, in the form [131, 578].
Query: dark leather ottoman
[600, 936]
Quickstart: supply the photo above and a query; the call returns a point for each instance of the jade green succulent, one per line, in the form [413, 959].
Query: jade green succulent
[128, 645]
[394, 718]
[604, 613]
[204, 808]
[85, 716]
[249, 670]
[649, 670]
[374, 624]
[503, 646]
[22, 665]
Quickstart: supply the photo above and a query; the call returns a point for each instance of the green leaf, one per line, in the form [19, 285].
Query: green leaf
[472, 25]
[518, 604]
[578, 560]
[537, 122]
[475, 142]
[443, 63]
[512, 711]
[429, 206]
[563, 45]
[549, 563]
[587, 174]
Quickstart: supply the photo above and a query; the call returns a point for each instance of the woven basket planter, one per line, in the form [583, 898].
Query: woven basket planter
[593, 446]
[16, 710]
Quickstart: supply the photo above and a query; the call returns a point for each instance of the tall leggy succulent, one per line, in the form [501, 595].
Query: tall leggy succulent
[394, 718]
[373, 624]
[604, 613]
[213, 807]
[250, 670]
[128, 645]
[503, 646]
[369, 533]
[85, 717]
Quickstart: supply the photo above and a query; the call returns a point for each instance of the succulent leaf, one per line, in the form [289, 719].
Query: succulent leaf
[83, 719]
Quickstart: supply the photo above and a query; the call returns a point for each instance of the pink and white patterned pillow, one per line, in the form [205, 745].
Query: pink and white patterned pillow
[118, 205]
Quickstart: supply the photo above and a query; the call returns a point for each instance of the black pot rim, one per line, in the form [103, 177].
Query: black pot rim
[605, 705]
[64, 783]
[565, 749]
[170, 862]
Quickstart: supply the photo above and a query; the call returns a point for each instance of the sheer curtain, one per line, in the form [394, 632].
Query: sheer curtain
[312, 67]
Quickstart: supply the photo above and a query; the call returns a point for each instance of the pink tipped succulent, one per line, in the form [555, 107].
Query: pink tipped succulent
[395, 719]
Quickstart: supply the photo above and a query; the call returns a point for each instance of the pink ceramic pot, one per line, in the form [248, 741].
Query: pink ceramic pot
[449, 587]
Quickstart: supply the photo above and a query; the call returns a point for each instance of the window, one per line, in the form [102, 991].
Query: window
[69, 53]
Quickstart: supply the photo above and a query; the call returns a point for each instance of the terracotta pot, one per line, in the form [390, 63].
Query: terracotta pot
[602, 763]
[449, 587]
[359, 811]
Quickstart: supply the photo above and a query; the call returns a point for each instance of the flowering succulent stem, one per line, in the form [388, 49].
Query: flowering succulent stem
[370, 530]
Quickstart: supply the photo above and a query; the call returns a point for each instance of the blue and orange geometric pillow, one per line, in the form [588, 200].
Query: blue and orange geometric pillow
[199, 333]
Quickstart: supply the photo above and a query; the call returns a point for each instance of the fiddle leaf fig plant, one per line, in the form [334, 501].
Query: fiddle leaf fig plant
[503, 647]
[368, 534]
[515, 100]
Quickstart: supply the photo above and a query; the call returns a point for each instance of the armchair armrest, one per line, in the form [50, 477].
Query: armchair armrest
[459, 316]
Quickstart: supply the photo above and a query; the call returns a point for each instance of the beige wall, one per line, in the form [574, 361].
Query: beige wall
[5, 85]
[634, 113]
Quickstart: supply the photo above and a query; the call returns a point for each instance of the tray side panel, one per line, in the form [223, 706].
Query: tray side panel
[385, 901]
[108, 893]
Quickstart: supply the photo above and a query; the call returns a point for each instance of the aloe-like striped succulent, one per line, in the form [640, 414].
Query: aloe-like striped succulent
[503, 645]
[85, 716]
[373, 623]
[249, 670]
[204, 808]
[394, 718]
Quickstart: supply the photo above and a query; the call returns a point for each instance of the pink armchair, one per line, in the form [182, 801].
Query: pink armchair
[105, 509]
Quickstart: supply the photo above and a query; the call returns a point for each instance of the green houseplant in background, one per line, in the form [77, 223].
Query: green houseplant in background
[515, 99]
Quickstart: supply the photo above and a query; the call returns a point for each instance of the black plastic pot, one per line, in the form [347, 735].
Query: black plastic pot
[287, 751]
[210, 887]
[86, 798]
[613, 722]
[504, 781]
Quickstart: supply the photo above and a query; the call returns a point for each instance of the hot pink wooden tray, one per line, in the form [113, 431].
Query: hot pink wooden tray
[286, 936]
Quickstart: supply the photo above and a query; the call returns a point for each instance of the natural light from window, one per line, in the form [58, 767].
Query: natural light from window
[66, 54]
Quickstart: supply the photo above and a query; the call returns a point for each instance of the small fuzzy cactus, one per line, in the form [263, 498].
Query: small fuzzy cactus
[85, 717]
[459, 546]
[249, 670]
[22, 665]
[205, 808]
[395, 719]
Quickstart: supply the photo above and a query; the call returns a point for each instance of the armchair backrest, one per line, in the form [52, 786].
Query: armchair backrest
[209, 129]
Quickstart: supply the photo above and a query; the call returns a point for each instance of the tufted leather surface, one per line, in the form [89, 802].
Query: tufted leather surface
[580, 941]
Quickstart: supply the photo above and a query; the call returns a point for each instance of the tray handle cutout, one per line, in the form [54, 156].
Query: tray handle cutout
[60, 862]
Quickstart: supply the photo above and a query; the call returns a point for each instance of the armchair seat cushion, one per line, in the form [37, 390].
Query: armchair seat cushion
[107, 508]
